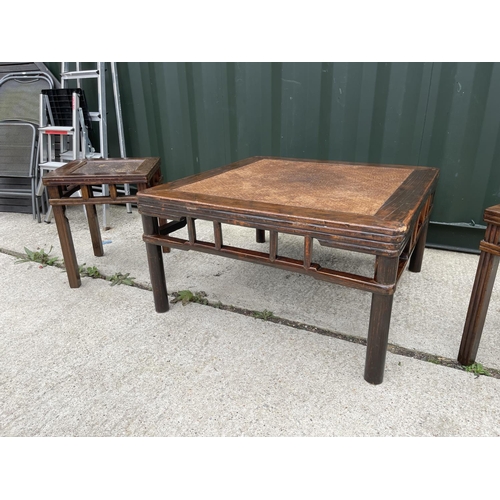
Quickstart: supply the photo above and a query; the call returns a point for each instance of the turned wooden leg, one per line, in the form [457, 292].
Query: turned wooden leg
[480, 296]
[160, 223]
[155, 263]
[418, 253]
[260, 235]
[155, 180]
[65, 238]
[93, 221]
[380, 319]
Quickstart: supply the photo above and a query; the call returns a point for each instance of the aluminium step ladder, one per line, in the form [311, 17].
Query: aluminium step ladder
[79, 147]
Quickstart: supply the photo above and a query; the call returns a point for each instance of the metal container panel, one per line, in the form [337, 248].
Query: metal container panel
[198, 116]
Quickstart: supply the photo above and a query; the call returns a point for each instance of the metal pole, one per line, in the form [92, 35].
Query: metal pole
[103, 131]
[119, 123]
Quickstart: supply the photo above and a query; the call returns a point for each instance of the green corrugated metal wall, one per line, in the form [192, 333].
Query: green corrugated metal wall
[198, 116]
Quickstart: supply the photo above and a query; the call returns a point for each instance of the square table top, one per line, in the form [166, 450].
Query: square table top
[325, 194]
[104, 171]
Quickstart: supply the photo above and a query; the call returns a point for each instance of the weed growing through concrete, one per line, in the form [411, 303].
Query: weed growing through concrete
[91, 272]
[265, 314]
[121, 279]
[39, 256]
[186, 296]
[477, 368]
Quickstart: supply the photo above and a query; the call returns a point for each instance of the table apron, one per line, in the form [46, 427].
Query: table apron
[98, 200]
[314, 270]
[343, 238]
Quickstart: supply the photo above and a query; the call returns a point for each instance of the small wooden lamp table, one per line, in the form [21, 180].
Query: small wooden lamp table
[81, 175]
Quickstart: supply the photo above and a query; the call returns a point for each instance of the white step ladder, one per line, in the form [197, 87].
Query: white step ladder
[80, 147]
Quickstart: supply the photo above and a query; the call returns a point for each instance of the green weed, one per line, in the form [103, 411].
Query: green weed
[39, 256]
[91, 272]
[265, 315]
[121, 279]
[186, 296]
[477, 368]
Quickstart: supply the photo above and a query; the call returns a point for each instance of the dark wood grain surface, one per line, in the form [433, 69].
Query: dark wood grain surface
[103, 171]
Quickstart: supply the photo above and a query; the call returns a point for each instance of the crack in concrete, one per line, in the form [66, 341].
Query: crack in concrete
[392, 348]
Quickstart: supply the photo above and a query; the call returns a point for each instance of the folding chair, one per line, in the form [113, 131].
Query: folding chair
[18, 168]
[20, 96]
[20, 105]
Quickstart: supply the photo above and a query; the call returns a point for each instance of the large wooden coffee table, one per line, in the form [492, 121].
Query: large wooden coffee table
[381, 210]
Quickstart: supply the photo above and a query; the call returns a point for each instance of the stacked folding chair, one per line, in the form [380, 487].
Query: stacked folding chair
[19, 122]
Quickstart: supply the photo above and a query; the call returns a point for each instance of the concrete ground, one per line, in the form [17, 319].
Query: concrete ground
[99, 361]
